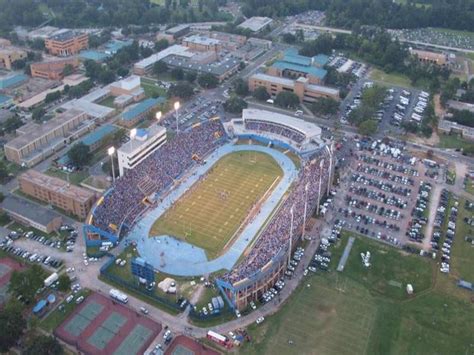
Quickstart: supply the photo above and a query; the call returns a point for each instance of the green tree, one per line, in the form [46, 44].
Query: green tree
[177, 74]
[368, 127]
[325, 106]
[3, 172]
[288, 38]
[160, 67]
[287, 99]
[261, 94]
[241, 87]
[207, 81]
[38, 113]
[44, 345]
[52, 96]
[12, 323]
[64, 283]
[182, 90]
[235, 104]
[68, 70]
[12, 123]
[161, 44]
[190, 76]
[25, 283]
[79, 155]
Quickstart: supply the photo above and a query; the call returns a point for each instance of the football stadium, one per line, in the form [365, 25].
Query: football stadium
[223, 198]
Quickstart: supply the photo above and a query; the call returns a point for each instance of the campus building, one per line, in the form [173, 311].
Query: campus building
[256, 24]
[295, 73]
[66, 43]
[301, 87]
[31, 214]
[53, 70]
[35, 142]
[145, 66]
[138, 149]
[138, 112]
[8, 55]
[202, 43]
[57, 192]
[173, 33]
[429, 57]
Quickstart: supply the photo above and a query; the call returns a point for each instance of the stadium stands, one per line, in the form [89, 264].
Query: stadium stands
[124, 202]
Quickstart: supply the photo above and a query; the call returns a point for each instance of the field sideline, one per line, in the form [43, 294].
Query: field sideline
[212, 211]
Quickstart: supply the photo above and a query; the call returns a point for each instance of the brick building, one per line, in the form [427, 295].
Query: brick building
[67, 43]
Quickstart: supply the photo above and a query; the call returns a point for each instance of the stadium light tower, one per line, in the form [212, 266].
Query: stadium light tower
[176, 108]
[133, 134]
[291, 233]
[158, 116]
[321, 163]
[111, 152]
[331, 167]
[305, 209]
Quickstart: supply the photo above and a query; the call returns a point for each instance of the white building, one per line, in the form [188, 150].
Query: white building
[145, 142]
[145, 65]
[256, 23]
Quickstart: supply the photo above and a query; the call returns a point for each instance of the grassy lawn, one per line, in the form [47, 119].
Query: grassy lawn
[469, 186]
[462, 256]
[152, 90]
[210, 214]
[108, 101]
[453, 141]
[97, 183]
[359, 312]
[56, 317]
[74, 178]
[394, 79]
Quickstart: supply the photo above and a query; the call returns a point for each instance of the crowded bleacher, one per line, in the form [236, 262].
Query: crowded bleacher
[277, 234]
[125, 201]
[275, 128]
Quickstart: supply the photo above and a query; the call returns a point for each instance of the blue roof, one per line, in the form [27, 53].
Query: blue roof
[12, 80]
[317, 72]
[114, 46]
[141, 107]
[4, 99]
[93, 55]
[292, 56]
[98, 134]
[141, 132]
[321, 59]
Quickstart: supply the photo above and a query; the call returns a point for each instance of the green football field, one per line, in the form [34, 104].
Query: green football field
[213, 210]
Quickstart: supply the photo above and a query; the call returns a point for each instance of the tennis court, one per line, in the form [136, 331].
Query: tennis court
[83, 318]
[101, 325]
[182, 345]
[105, 333]
[135, 340]
[7, 266]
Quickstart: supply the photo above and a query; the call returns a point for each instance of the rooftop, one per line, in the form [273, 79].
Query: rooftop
[141, 107]
[93, 55]
[29, 210]
[216, 68]
[310, 70]
[144, 136]
[65, 36]
[92, 109]
[176, 29]
[115, 45]
[202, 40]
[98, 134]
[42, 129]
[57, 185]
[174, 49]
[274, 79]
[255, 23]
[12, 80]
[4, 99]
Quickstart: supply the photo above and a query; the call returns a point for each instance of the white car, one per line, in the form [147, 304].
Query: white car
[259, 320]
[144, 310]
[237, 313]
[252, 305]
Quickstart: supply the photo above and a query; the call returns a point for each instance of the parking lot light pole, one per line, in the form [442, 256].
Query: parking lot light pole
[291, 233]
[158, 116]
[111, 152]
[176, 108]
[319, 188]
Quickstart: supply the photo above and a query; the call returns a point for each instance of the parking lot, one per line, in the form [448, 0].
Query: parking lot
[382, 186]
